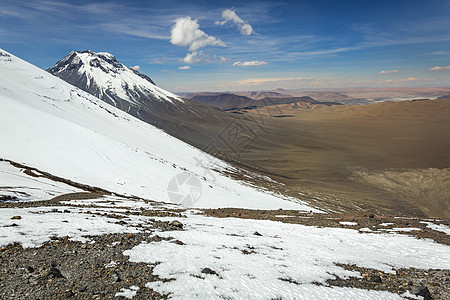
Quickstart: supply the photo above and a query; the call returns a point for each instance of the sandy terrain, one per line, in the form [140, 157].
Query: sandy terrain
[388, 156]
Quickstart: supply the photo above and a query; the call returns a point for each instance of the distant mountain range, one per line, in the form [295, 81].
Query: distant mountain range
[231, 101]
[444, 97]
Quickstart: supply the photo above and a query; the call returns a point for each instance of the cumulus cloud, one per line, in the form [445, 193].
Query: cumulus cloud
[229, 15]
[187, 32]
[388, 72]
[440, 68]
[137, 68]
[184, 67]
[249, 63]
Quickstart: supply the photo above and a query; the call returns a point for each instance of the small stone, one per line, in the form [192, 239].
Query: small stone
[371, 216]
[421, 290]
[209, 271]
[257, 233]
[116, 277]
[55, 273]
[16, 218]
[376, 279]
[68, 293]
[176, 224]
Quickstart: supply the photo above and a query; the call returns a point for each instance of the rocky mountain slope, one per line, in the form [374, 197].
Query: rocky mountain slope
[103, 76]
[51, 125]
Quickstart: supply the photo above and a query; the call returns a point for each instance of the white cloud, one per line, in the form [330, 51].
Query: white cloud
[230, 16]
[387, 72]
[195, 57]
[137, 68]
[440, 68]
[184, 67]
[249, 63]
[186, 32]
[398, 80]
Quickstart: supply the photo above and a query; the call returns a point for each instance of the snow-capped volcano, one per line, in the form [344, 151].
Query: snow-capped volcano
[103, 76]
[51, 125]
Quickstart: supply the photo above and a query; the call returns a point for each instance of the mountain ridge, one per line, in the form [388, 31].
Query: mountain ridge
[103, 76]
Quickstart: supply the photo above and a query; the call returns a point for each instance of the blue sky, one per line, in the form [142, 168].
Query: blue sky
[243, 45]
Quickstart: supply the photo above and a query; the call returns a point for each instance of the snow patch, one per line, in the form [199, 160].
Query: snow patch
[128, 293]
[348, 223]
[438, 227]
[222, 258]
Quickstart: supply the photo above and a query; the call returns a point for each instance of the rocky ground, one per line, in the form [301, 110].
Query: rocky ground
[61, 268]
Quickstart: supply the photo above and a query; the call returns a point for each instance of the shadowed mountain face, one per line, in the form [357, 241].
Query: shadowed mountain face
[103, 76]
[229, 101]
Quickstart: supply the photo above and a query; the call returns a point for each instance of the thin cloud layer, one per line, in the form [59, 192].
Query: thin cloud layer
[187, 32]
[195, 57]
[249, 63]
[440, 68]
[229, 15]
[184, 67]
[388, 72]
[137, 68]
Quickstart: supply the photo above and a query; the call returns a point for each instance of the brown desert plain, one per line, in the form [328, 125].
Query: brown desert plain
[384, 158]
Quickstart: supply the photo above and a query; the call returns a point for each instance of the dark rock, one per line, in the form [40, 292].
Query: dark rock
[257, 233]
[421, 290]
[68, 294]
[16, 218]
[209, 271]
[371, 216]
[30, 269]
[376, 279]
[54, 272]
[177, 224]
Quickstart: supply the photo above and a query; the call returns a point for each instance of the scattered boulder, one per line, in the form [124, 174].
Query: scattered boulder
[421, 290]
[257, 233]
[177, 224]
[55, 273]
[376, 279]
[16, 218]
[209, 271]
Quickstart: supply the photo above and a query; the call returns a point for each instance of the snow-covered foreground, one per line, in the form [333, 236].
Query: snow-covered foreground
[50, 125]
[217, 258]
[38, 225]
[256, 259]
